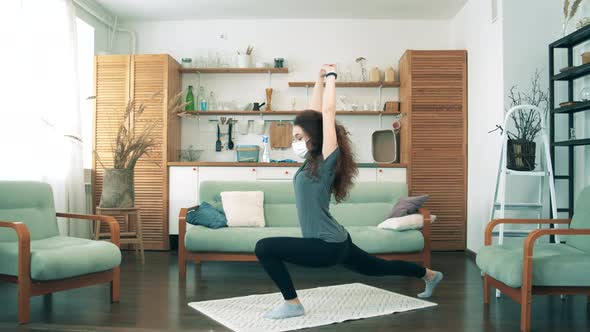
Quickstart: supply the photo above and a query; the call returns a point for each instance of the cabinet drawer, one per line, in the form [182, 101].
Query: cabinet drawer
[366, 175]
[227, 174]
[275, 173]
[391, 174]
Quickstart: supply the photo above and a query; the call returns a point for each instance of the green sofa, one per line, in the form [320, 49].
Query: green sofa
[366, 207]
[40, 261]
[520, 271]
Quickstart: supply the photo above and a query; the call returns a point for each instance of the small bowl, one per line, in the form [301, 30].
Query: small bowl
[189, 154]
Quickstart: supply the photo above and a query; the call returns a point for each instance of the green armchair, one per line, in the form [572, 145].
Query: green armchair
[544, 268]
[40, 261]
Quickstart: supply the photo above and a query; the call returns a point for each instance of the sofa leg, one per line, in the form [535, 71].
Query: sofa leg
[115, 285]
[181, 267]
[486, 289]
[24, 304]
[525, 309]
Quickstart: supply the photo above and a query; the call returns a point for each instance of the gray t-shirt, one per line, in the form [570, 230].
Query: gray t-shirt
[312, 197]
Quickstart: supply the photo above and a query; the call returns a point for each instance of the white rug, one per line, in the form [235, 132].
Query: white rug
[323, 306]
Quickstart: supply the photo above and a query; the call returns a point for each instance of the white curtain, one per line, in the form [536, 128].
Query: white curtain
[40, 126]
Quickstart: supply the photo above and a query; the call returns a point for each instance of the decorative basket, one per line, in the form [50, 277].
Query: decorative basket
[521, 155]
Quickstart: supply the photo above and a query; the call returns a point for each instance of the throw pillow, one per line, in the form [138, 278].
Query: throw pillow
[407, 205]
[243, 208]
[412, 221]
[206, 215]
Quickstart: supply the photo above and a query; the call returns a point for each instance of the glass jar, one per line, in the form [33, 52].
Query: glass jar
[186, 62]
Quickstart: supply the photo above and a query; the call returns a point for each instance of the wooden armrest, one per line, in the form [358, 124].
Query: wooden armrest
[529, 241]
[24, 247]
[109, 220]
[182, 227]
[492, 224]
[426, 227]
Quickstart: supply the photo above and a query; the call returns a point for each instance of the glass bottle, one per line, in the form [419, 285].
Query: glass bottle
[266, 149]
[200, 97]
[204, 104]
[212, 103]
[190, 100]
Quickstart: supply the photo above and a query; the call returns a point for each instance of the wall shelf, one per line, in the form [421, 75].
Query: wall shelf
[234, 70]
[573, 73]
[573, 142]
[350, 84]
[566, 173]
[573, 39]
[577, 107]
[205, 113]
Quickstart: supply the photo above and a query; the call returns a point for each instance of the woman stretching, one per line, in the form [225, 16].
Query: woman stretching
[328, 169]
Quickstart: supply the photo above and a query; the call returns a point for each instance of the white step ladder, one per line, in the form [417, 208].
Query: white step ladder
[499, 205]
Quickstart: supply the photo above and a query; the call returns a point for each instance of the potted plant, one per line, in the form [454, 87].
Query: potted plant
[521, 148]
[130, 145]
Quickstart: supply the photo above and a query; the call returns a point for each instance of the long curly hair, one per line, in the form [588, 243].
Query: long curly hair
[346, 170]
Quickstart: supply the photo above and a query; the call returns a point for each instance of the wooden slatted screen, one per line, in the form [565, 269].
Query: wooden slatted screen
[434, 93]
[112, 76]
[149, 84]
[149, 80]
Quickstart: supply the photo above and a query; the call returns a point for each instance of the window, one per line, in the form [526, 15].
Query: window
[85, 44]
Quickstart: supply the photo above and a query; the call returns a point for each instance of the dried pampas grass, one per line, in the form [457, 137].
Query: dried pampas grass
[569, 13]
[132, 144]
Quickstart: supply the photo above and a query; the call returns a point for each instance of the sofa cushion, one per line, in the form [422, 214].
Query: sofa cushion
[411, 221]
[31, 203]
[406, 206]
[206, 215]
[553, 264]
[581, 219]
[61, 257]
[243, 239]
[243, 208]
[367, 204]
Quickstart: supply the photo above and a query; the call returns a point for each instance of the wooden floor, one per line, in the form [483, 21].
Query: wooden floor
[153, 300]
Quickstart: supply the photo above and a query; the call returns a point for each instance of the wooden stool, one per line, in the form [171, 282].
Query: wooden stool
[128, 236]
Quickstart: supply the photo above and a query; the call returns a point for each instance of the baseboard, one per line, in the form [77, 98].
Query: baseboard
[470, 254]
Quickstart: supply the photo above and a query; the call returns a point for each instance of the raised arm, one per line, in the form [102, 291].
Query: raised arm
[330, 142]
[318, 91]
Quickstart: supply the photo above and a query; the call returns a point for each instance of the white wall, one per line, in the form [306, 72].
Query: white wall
[473, 30]
[100, 30]
[305, 44]
[526, 37]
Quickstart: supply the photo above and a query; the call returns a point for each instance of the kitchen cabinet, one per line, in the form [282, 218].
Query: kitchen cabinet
[275, 173]
[366, 175]
[391, 174]
[184, 184]
[227, 174]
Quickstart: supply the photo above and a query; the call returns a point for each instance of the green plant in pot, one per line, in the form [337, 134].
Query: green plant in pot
[134, 139]
[521, 148]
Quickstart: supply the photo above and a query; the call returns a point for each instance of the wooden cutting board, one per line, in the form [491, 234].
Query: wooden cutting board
[280, 135]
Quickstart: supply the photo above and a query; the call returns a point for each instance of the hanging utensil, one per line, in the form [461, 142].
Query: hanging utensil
[218, 142]
[230, 143]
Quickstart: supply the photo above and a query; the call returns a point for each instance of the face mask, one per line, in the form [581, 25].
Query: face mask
[300, 148]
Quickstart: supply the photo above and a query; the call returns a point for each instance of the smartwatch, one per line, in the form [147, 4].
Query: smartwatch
[331, 74]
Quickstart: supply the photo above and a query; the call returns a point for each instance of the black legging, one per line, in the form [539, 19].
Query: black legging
[272, 252]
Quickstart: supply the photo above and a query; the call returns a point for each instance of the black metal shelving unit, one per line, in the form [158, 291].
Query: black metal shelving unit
[568, 42]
